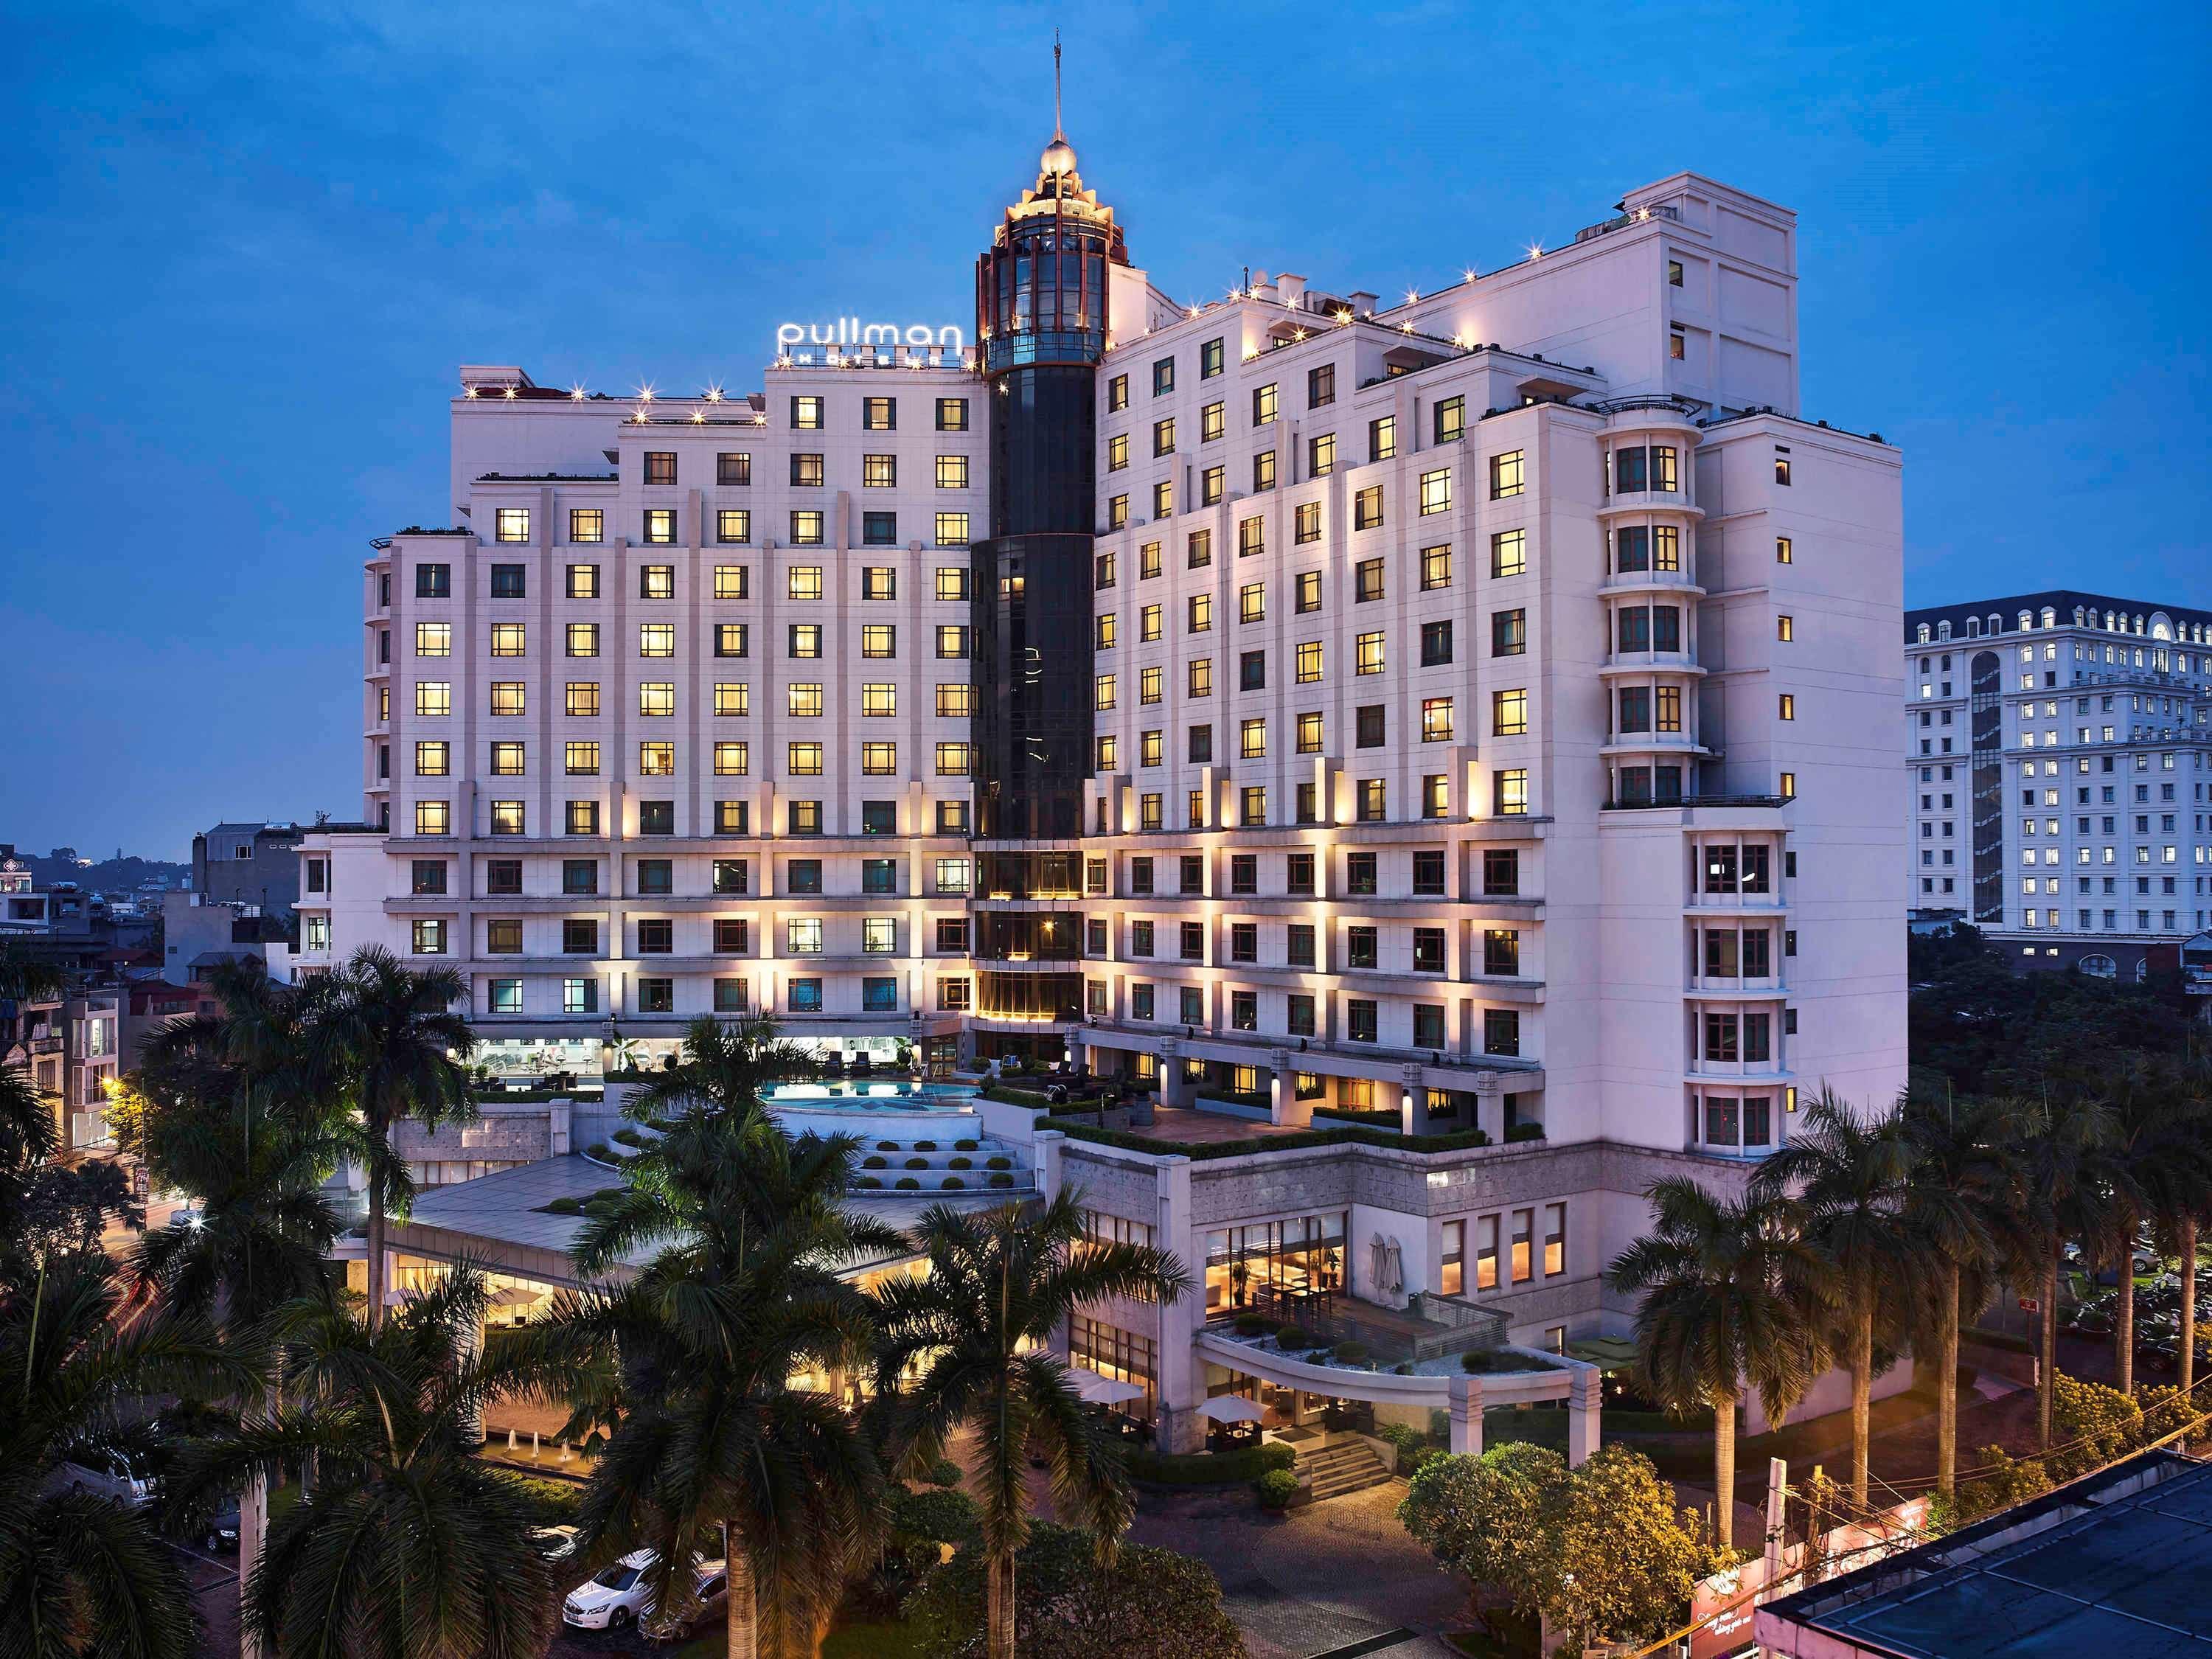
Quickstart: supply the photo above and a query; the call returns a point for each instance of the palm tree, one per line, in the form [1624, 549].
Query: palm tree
[410, 1545]
[1957, 1200]
[1724, 1287]
[79, 1574]
[2181, 1200]
[721, 1064]
[742, 1234]
[1845, 1180]
[391, 1032]
[2161, 1170]
[2057, 1168]
[1002, 1285]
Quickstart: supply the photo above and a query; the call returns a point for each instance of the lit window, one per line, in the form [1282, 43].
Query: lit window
[514, 524]
[583, 639]
[879, 640]
[952, 759]
[1435, 568]
[1435, 491]
[434, 697]
[878, 759]
[804, 700]
[509, 640]
[656, 697]
[1435, 719]
[1509, 712]
[656, 639]
[1506, 475]
[581, 760]
[586, 523]
[878, 701]
[433, 639]
[732, 760]
[952, 529]
[1368, 653]
[733, 698]
[803, 760]
[656, 759]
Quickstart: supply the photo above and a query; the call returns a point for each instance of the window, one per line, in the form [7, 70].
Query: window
[659, 525]
[1305, 522]
[1437, 718]
[803, 760]
[1117, 393]
[951, 414]
[1164, 498]
[584, 581]
[506, 760]
[1213, 484]
[1263, 403]
[1508, 553]
[1677, 343]
[433, 639]
[1506, 476]
[1367, 654]
[1200, 676]
[1435, 491]
[1371, 726]
[1509, 632]
[1263, 470]
[1789, 706]
[1163, 376]
[430, 937]
[1435, 568]
[1117, 451]
[1321, 386]
[1252, 739]
[1310, 732]
[510, 581]
[806, 414]
[1785, 629]
[434, 697]
[803, 936]
[1782, 464]
[1251, 537]
[952, 529]
[1320, 455]
[1212, 422]
[879, 640]
[1163, 436]
[1252, 602]
[586, 523]
[429, 876]
[1308, 662]
[1510, 792]
[1450, 420]
[1501, 872]
[879, 414]
[952, 759]
[433, 760]
[1501, 953]
[509, 640]
[806, 529]
[952, 641]
[512, 524]
[656, 582]
[656, 759]
[732, 759]
[657, 698]
[1367, 581]
[1435, 644]
[507, 818]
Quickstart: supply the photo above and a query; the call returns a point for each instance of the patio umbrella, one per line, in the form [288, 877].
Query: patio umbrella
[512, 1296]
[1101, 1390]
[1232, 1408]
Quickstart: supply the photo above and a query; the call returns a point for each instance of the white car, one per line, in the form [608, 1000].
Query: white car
[613, 1599]
[553, 1544]
[117, 1483]
[710, 1595]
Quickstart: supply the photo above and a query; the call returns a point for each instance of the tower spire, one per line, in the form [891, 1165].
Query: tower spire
[1058, 135]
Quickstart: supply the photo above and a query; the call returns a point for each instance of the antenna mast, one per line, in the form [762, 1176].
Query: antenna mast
[1056, 131]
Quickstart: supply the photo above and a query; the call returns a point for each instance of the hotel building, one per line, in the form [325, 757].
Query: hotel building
[2057, 747]
[1465, 722]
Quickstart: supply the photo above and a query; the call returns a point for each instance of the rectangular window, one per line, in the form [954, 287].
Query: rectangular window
[433, 760]
[1320, 455]
[733, 639]
[1367, 581]
[656, 582]
[1509, 632]
[434, 697]
[433, 639]
[951, 529]
[733, 469]
[586, 523]
[951, 414]
[1435, 719]
[1435, 491]
[731, 759]
[583, 581]
[509, 640]
[660, 526]
[1435, 568]
[806, 529]
[656, 639]
[1450, 420]
[1506, 476]
[1508, 553]
[510, 581]
[1510, 793]
[803, 760]
[1368, 656]
[506, 760]
[514, 524]
[1252, 602]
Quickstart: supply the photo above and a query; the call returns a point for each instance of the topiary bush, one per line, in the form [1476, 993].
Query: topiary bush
[954, 1184]
[908, 1184]
[998, 1163]
[967, 1146]
[566, 1207]
[601, 1151]
[630, 1137]
[869, 1183]
[875, 1161]
[925, 1146]
[959, 1163]
[1291, 1335]
[1524, 1132]
[943, 1473]
[1276, 1489]
[1000, 1181]
[1351, 1353]
[887, 1145]
[1250, 1324]
[917, 1164]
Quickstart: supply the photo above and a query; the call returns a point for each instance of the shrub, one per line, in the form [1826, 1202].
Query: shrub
[875, 1161]
[1209, 1468]
[1250, 1324]
[1291, 1335]
[887, 1145]
[943, 1473]
[999, 1181]
[937, 1513]
[967, 1146]
[1524, 1132]
[925, 1146]
[953, 1184]
[601, 1151]
[1402, 1369]
[565, 1207]
[908, 1184]
[998, 1163]
[917, 1164]
[1276, 1488]
[869, 1183]
[1475, 1361]
[630, 1137]
[1351, 1353]
[959, 1163]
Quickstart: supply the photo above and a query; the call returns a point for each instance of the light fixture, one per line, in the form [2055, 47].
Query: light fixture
[468, 392]
[1468, 274]
[714, 394]
[508, 394]
[1343, 316]
[645, 394]
[698, 417]
[577, 392]
[1535, 251]
[1412, 295]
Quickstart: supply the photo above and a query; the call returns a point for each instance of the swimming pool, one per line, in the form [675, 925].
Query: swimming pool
[847, 1108]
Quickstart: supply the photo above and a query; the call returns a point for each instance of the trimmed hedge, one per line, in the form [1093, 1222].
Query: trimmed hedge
[1209, 1468]
[999, 1181]
[1276, 1489]
[908, 1184]
[953, 1184]
[875, 1161]
[967, 1146]
[1521, 1132]
[869, 1183]
[959, 1163]
[998, 1163]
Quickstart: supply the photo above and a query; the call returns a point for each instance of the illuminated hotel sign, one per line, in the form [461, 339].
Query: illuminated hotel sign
[851, 332]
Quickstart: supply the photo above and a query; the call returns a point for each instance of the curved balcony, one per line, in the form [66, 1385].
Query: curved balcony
[1622, 503]
[1646, 584]
[1659, 745]
[1681, 664]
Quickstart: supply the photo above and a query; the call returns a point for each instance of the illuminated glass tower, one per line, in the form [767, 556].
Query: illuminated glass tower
[1042, 317]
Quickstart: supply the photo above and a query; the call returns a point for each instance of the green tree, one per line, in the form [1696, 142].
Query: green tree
[1002, 1285]
[1485, 1518]
[2159, 1171]
[713, 1452]
[390, 1031]
[1958, 1200]
[2058, 1157]
[1143, 1603]
[1730, 1299]
[79, 1574]
[410, 1545]
[1844, 1179]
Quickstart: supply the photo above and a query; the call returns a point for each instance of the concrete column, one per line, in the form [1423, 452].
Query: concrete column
[1175, 1086]
[1284, 1106]
[1584, 1410]
[1179, 1384]
[1490, 1105]
[1411, 1096]
[1467, 1415]
[1045, 1146]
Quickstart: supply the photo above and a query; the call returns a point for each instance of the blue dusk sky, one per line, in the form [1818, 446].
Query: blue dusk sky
[245, 246]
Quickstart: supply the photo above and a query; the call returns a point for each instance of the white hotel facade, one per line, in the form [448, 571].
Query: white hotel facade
[1488, 711]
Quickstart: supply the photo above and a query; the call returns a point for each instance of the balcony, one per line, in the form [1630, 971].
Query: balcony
[1697, 801]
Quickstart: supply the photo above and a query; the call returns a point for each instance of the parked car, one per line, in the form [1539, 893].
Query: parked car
[553, 1544]
[710, 1593]
[115, 1475]
[613, 1598]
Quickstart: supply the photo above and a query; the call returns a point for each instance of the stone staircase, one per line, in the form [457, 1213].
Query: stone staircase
[1344, 1465]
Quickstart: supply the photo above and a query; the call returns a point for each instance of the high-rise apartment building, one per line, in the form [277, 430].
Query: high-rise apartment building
[2055, 746]
[1475, 708]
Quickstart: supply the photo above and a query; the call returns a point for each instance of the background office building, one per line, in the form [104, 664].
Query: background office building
[2055, 744]
[1470, 711]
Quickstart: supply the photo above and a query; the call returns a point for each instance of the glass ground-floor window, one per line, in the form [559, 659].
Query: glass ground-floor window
[1304, 1254]
[1124, 1356]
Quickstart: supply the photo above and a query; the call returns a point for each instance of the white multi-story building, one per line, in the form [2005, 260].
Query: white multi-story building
[1484, 711]
[2056, 745]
